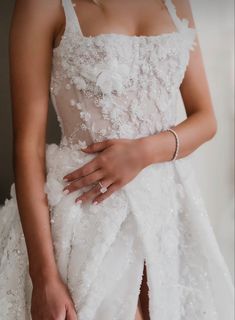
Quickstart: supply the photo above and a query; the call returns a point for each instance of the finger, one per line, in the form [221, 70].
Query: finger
[83, 171]
[71, 314]
[88, 195]
[102, 196]
[93, 193]
[99, 146]
[84, 182]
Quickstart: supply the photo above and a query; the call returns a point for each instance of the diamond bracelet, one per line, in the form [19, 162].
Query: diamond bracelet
[177, 144]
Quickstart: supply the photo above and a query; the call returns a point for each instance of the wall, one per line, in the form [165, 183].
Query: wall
[214, 161]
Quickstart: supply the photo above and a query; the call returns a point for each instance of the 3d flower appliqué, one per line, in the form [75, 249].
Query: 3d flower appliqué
[113, 77]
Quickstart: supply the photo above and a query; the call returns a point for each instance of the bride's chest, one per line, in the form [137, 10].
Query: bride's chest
[117, 62]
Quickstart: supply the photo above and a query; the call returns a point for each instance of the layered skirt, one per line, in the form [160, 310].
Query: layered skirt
[159, 218]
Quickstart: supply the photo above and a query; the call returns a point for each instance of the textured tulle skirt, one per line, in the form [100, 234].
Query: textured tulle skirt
[159, 218]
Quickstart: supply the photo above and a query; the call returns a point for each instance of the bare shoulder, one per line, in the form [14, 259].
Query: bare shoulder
[33, 14]
[43, 8]
[184, 11]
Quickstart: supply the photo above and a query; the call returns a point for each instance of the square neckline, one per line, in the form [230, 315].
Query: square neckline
[70, 13]
[120, 35]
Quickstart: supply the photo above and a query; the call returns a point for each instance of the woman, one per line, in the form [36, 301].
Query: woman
[110, 224]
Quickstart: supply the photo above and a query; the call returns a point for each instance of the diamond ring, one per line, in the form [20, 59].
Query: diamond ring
[103, 189]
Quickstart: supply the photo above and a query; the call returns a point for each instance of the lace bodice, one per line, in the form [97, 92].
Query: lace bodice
[115, 85]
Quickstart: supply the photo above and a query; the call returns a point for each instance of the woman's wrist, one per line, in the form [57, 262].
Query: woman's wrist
[145, 151]
[43, 273]
[157, 148]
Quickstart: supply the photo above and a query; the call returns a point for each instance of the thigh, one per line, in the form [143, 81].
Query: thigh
[139, 315]
[144, 295]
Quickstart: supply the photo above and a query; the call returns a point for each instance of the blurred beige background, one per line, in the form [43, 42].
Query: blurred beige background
[214, 161]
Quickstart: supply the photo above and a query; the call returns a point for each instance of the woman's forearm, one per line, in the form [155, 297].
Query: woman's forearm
[192, 132]
[29, 167]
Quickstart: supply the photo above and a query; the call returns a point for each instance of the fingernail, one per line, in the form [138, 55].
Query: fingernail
[79, 202]
[65, 192]
[95, 203]
[65, 180]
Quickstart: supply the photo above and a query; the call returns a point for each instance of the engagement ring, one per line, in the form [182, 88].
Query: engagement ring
[103, 189]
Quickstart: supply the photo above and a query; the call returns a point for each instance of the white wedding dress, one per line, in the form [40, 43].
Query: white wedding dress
[119, 86]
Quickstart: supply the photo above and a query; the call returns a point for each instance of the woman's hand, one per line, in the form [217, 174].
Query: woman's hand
[51, 300]
[118, 162]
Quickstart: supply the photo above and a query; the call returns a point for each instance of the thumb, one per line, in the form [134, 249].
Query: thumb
[97, 147]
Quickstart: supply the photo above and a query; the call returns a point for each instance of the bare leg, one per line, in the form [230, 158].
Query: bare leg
[139, 315]
[142, 312]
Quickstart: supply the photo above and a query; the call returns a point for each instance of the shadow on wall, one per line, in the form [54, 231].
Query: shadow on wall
[53, 134]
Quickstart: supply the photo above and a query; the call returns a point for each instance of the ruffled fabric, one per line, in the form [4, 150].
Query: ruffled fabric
[159, 217]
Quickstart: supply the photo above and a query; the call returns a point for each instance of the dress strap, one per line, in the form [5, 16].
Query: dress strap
[180, 24]
[72, 22]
